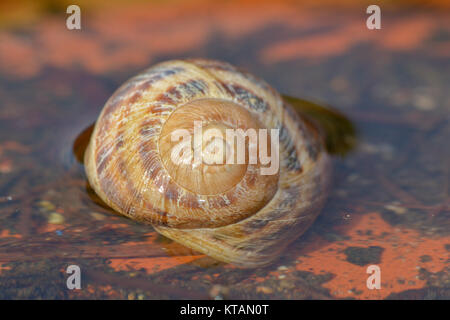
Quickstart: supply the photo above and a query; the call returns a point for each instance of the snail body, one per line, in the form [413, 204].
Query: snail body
[231, 212]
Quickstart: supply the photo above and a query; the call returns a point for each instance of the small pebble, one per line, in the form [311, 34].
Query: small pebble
[47, 205]
[285, 284]
[282, 268]
[97, 216]
[217, 292]
[264, 289]
[55, 218]
[424, 102]
[396, 209]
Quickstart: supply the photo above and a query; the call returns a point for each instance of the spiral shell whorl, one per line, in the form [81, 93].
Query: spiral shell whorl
[247, 220]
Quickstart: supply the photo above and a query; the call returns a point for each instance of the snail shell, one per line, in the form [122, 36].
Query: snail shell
[231, 212]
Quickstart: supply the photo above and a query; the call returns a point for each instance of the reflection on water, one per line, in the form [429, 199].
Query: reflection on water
[389, 203]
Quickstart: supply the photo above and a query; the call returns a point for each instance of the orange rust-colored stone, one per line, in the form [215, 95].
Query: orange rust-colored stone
[147, 30]
[5, 233]
[400, 260]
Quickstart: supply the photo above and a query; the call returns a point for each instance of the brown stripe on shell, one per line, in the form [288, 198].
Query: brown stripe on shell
[291, 161]
[231, 196]
[119, 139]
[158, 74]
[313, 142]
[188, 200]
[171, 191]
[108, 186]
[160, 218]
[102, 159]
[149, 127]
[166, 98]
[116, 99]
[251, 178]
[150, 159]
[312, 139]
[153, 167]
[185, 90]
[255, 224]
[224, 66]
[291, 197]
[121, 132]
[158, 108]
[246, 96]
[216, 202]
[106, 121]
[132, 193]
[135, 84]
[135, 97]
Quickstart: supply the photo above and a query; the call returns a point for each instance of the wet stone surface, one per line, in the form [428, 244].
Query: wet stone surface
[389, 203]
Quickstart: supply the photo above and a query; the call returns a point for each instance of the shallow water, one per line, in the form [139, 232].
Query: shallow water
[389, 203]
